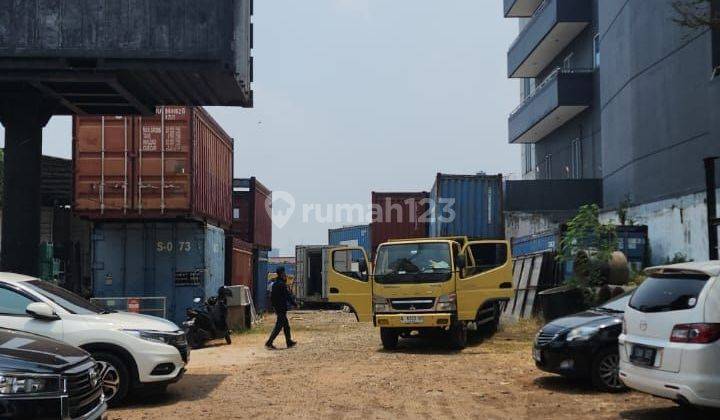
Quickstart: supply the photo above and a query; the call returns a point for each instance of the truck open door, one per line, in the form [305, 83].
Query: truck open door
[349, 281]
[485, 280]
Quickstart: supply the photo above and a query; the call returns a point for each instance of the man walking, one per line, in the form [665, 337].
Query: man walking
[281, 299]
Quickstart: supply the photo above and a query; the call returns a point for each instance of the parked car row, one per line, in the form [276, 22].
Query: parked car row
[663, 339]
[130, 351]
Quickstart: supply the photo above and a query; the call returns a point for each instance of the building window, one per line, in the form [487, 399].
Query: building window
[596, 50]
[528, 158]
[545, 167]
[577, 160]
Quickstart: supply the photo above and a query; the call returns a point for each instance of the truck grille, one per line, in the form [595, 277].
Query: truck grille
[413, 304]
[84, 391]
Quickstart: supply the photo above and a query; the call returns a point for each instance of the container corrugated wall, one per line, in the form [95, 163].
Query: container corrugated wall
[238, 263]
[467, 205]
[176, 164]
[175, 260]
[398, 215]
[351, 236]
[543, 242]
[251, 220]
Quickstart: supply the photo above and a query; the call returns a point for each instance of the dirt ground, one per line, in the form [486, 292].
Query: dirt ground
[339, 370]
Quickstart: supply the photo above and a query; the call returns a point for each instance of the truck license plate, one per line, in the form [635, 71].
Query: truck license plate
[411, 319]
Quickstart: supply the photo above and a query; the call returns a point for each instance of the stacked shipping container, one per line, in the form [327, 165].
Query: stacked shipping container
[467, 205]
[252, 217]
[398, 215]
[352, 236]
[159, 191]
[176, 164]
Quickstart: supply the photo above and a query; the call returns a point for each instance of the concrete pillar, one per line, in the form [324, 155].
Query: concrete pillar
[24, 120]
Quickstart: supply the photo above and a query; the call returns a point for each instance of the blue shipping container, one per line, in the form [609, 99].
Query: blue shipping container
[351, 236]
[178, 261]
[542, 242]
[260, 283]
[467, 205]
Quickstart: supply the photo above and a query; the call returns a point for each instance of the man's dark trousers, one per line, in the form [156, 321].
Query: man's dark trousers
[281, 324]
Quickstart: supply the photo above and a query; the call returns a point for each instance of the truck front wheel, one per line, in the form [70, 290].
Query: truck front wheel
[458, 335]
[389, 337]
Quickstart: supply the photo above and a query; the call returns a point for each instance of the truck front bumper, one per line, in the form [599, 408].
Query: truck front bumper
[414, 320]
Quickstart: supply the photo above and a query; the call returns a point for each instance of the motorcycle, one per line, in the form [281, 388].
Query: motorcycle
[208, 320]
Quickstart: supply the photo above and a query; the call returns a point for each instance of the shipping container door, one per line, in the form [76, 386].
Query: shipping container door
[163, 161]
[179, 252]
[300, 272]
[102, 164]
[118, 260]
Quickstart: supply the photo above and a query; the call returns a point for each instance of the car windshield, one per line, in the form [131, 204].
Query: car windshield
[65, 299]
[618, 304]
[413, 263]
[666, 294]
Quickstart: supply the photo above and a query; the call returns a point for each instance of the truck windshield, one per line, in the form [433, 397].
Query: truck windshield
[413, 263]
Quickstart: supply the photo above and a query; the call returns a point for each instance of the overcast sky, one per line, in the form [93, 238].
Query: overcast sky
[354, 96]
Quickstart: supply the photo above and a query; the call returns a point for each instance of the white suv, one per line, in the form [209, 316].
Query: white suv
[669, 347]
[138, 350]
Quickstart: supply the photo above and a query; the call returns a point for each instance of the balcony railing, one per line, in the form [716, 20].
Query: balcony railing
[553, 26]
[560, 97]
[520, 8]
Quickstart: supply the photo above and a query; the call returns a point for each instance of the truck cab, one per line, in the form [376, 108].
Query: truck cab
[453, 285]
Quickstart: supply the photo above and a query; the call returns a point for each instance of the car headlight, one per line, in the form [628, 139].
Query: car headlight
[16, 384]
[582, 333]
[447, 302]
[154, 336]
[380, 304]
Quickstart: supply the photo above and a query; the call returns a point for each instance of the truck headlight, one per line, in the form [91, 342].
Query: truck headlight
[17, 384]
[582, 333]
[447, 302]
[380, 304]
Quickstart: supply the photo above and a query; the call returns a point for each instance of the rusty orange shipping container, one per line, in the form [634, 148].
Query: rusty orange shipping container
[239, 262]
[176, 164]
[399, 215]
[252, 218]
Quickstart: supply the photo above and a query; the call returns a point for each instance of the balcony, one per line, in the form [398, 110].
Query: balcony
[520, 8]
[555, 24]
[560, 98]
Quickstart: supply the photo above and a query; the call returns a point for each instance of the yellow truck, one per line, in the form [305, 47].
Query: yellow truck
[422, 285]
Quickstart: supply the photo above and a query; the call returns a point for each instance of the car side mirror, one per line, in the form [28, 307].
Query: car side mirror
[460, 262]
[43, 311]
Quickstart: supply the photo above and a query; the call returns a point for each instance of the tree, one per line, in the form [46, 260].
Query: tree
[697, 13]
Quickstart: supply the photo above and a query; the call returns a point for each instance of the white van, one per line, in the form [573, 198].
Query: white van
[669, 347]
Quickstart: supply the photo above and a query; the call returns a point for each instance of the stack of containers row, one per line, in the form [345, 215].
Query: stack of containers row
[398, 215]
[158, 191]
[352, 236]
[252, 226]
[467, 205]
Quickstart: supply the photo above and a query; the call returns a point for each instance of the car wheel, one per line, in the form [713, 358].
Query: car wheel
[115, 377]
[389, 338]
[606, 371]
[491, 328]
[458, 335]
